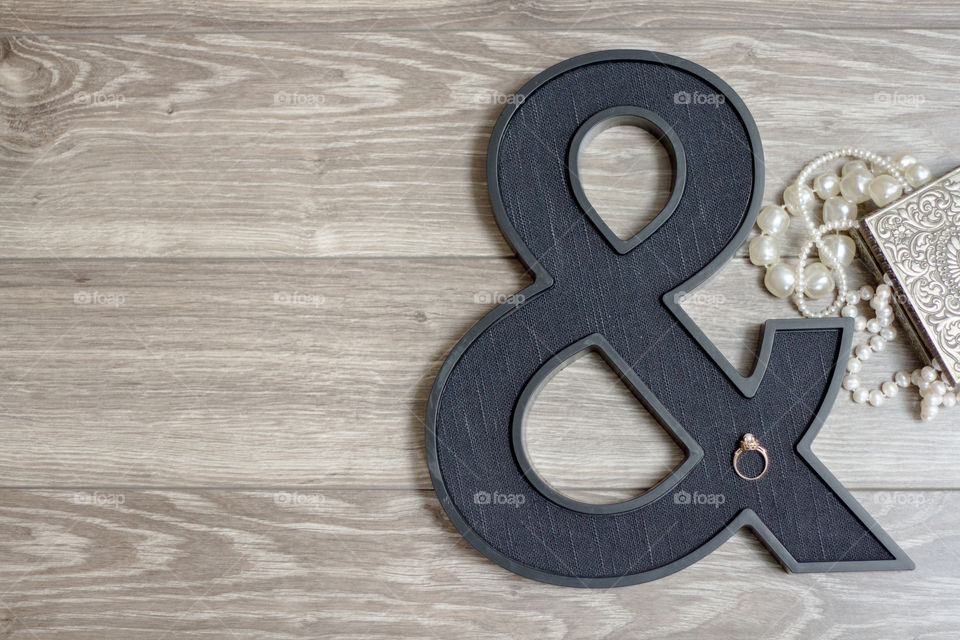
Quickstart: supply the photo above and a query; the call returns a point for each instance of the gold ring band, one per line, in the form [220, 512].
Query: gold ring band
[750, 443]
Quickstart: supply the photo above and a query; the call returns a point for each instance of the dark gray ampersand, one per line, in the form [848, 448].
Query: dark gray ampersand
[594, 290]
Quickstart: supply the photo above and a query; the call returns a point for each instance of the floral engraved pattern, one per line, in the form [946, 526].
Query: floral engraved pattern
[918, 239]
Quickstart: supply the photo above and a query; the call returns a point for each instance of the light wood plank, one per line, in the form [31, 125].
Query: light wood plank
[230, 374]
[281, 399]
[388, 564]
[626, 174]
[174, 145]
[588, 415]
[86, 16]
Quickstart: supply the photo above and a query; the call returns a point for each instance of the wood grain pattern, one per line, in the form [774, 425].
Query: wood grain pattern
[252, 373]
[587, 414]
[237, 240]
[177, 16]
[626, 175]
[373, 144]
[301, 563]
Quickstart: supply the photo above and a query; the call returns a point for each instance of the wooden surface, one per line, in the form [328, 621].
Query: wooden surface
[237, 239]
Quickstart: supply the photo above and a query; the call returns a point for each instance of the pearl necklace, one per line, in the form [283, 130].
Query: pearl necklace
[866, 177]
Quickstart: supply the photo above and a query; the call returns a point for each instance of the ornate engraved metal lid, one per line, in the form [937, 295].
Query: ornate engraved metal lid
[916, 241]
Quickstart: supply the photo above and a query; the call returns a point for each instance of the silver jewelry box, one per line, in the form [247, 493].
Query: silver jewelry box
[915, 242]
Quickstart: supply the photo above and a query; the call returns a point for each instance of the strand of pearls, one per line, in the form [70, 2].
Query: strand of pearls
[865, 177]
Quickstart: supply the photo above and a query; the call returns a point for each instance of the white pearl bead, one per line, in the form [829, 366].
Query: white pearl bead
[902, 378]
[884, 190]
[764, 250]
[866, 292]
[773, 220]
[889, 389]
[853, 297]
[838, 210]
[876, 397]
[903, 160]
[859, 323]
[851, 382]
[817, 279]
[928, 374]
[888, 333]
[826, 185]
[949, 400]
[853, 165]
[854, 365]
[855, 186]
[841, 246]
[780, 280]
[797, 198]
[864, 352]
[884, 291]
[849, 311]
[928, 413]
[916, 378]
[931, 400]
[917, 174]
[861, 395]
[938, 387]
[878, 343]
[873, 326]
